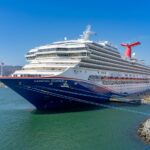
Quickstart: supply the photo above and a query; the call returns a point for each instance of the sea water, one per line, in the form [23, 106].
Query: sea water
[100, 128]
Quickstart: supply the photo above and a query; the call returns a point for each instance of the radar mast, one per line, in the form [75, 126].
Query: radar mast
[86, 34]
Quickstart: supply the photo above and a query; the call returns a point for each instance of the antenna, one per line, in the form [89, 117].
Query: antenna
[86, 34]
[128, 50]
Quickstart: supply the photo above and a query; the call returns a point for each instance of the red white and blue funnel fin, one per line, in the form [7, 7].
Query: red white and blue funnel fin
[128, 50]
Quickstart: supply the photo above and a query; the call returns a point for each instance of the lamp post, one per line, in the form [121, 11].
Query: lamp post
[2, 64]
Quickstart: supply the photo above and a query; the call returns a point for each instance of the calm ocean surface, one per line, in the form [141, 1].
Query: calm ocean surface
[24, 128]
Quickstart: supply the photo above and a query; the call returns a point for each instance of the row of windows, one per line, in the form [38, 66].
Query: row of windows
[28, 75]
[107, 82]
[61, 49]
[112, 49]
[131, 67]
[30, 58]
[118, 58]
[94, 66]
[44, 68]
[94, 78]
[121, 62]
[142, 67]
[112, 65]
[114, 81]
[30, 53]
[100, 58]
[60, 55]
[109, 52]
[104, 54]
[57, 49]
[110, 56]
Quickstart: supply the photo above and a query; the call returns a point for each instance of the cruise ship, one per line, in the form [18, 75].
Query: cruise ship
[77, 72]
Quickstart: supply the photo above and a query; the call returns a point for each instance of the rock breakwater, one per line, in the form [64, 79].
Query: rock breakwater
[144, 131]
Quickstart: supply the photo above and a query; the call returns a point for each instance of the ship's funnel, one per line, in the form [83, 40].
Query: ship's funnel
[128, 50]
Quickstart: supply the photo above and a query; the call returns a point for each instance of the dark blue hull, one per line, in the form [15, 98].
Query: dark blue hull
[56, 92]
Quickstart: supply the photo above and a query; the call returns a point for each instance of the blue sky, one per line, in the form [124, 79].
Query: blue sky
[25, 24]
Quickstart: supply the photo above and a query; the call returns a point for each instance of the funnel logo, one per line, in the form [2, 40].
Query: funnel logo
[128, 51]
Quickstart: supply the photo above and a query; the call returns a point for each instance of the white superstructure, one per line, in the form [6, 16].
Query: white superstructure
[97, 62]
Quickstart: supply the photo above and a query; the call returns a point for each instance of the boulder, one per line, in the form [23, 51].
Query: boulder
[144, 131]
